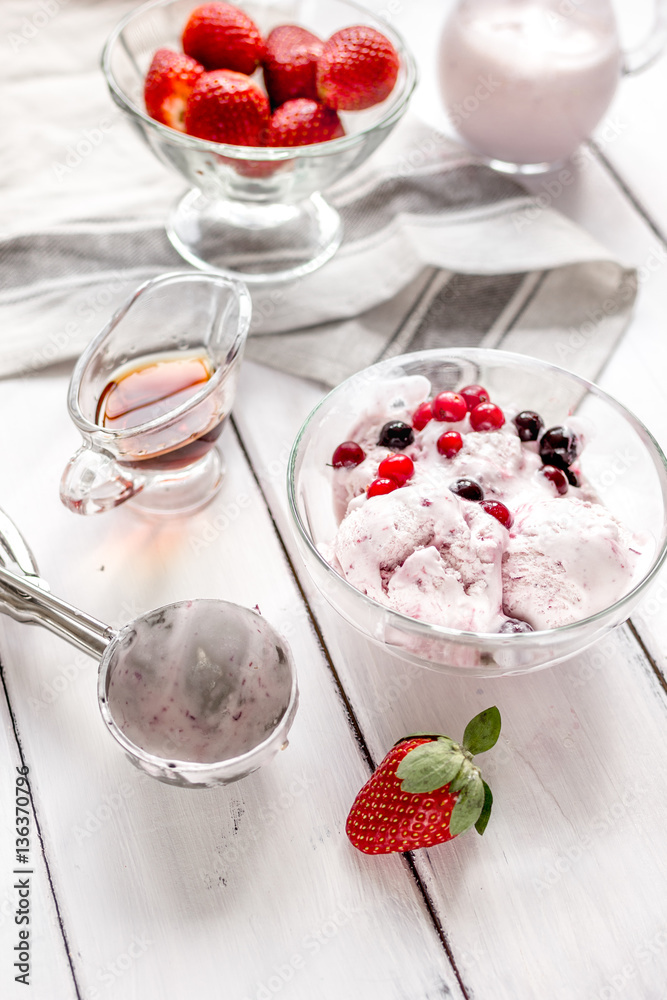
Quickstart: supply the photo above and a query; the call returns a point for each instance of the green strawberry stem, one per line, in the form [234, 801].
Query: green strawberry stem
[441, 762]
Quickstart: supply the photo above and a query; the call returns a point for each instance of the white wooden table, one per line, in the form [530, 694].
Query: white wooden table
[140, 891]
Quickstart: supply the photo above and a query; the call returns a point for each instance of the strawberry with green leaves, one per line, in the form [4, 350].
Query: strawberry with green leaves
[427, 790]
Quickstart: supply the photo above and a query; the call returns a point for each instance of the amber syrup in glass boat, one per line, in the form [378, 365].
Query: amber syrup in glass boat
[151, 389]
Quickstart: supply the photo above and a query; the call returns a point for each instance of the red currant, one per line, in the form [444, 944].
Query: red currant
[474, 395]
[486, 417]
[498, 510]
[347, 455]
[400, 468]
[380, 486]
[449, 406]
[557, 477]
[449, 443]
[422, 415]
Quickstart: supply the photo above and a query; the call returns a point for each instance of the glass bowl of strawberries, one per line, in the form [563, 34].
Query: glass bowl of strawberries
[260, 116]
[476, 511]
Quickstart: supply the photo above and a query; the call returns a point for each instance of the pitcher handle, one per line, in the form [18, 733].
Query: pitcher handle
[93, 482]
[644, 55]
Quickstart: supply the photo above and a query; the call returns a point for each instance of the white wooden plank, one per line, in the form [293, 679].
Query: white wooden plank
[635, 372]
[167, 892]
[564, 732]
[49, 973]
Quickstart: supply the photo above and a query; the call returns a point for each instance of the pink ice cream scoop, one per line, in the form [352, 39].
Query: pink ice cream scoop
[566, 559]
[492, 528]
[426, 554]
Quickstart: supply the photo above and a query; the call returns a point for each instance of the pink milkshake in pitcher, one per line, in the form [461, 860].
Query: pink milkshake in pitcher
[524, 82]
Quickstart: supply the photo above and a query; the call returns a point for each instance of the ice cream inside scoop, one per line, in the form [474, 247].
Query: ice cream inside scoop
[200, 681]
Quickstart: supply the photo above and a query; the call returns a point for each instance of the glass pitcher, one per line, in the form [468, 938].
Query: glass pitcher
[524, 82]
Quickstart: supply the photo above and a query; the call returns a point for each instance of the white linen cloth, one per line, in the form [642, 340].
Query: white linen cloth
[438, 249]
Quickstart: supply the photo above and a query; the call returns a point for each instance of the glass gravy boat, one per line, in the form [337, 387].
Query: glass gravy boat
[150, 395]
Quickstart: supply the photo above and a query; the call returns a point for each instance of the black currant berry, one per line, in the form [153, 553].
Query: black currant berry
[528, 425]
[396, 435]
[559, 446]
[467, 489]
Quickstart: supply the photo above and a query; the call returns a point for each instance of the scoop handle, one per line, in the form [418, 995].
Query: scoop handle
[22, 598]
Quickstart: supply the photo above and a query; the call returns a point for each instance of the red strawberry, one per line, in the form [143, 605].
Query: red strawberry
[426, 791]
[222, 37]
[357, 69]
[169, 82]
[302, 122]
[227, 107]
[290, 63]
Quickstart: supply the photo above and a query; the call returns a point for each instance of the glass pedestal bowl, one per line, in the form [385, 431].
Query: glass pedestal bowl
[620, 460]
[251, 212]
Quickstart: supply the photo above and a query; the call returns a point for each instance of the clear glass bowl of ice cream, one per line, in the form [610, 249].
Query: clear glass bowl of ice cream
[433, 569]
[253, 212]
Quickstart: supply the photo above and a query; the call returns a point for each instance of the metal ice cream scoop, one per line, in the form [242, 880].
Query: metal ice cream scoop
[198, 693]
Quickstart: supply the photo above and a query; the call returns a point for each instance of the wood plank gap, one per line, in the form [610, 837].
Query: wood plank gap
[662, 681]
[38, 827]
[440, 930]
[628, 192]
[354, 722]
